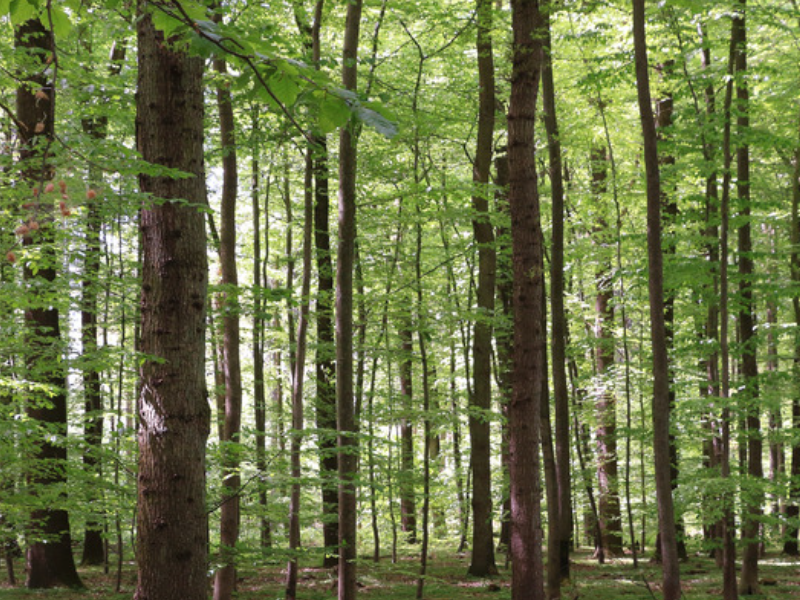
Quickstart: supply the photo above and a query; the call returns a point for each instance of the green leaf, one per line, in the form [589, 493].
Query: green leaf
[333, 113]
[284, 87]
[377, 121]
[62, 24]
[21, 11]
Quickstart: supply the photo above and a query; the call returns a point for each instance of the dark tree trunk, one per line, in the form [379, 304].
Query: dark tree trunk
[225, 577]
[259, 387]
[345, 409]
[49, 557]
[173, 405]
[524, 411]
[752, 492]
[483, 561]
[558, 572]
[661, 416]
[406, 476]
[790, 546]
[297, 387]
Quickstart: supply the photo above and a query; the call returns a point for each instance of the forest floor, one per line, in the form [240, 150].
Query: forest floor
[447, 580]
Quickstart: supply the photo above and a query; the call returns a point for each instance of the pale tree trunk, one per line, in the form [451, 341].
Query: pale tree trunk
[345, 409]
[483, 560]
[608, 505]
[49, 561]
[524, 411]
[671, 587]
[173, 409]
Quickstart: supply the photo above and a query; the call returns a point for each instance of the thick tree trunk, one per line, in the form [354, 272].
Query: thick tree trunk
[661, 415]
[173, 405]
[345, 409]
[483, 561]
[49, 556]
[524, 412]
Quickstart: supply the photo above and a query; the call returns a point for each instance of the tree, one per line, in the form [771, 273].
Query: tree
[529, 375]
[173, 409]
[225, 577]
[49, 555]
[661, 409]
[483, 563]
[345, 408]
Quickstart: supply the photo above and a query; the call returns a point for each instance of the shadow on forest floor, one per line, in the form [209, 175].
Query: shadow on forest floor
[447, 580]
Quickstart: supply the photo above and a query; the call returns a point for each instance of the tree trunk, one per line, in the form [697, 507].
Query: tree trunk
[558, 572]
[259, 387]
[608, 505]
[524, 412]
[752, 491]
[297, 387]
[483, 561]
[406, 477]
[49, 557]
[790, 546]
[345, 409]
[661, 416]
[225, 577]
[173, 408]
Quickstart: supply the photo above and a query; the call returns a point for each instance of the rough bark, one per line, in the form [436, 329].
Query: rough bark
[173, 406]
[671, 587]
[524, 411]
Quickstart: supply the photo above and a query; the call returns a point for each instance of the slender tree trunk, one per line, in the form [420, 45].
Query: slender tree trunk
[298, 381]
[671, 587]
[524, 412]
[345, 409]
[225, 577]
[259, 381]
[483, 560]
[752, 492]
[664, 110]
[49, 556]
[173, 410]
[407, 475]
[790, 546]
[608, 505]
[558, 571]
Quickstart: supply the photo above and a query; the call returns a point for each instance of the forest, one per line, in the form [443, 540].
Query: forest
[432, 299]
